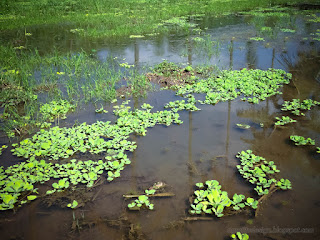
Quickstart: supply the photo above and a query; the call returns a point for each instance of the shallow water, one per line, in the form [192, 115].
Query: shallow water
[203, 147]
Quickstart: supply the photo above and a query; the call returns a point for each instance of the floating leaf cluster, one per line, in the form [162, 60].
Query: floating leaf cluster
[300, 140]
[141, 201]
[284, 120]
[296, 105]
[182, 105]
[56, 142]
[17, 181]
[239, 236]
[255, 85]
[210, 199]
[260, 173]
[56, 109]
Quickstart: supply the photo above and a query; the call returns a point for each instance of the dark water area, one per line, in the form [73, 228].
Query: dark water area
[200, 149]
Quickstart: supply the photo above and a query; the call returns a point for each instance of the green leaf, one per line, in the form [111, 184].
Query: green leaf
[31, 197]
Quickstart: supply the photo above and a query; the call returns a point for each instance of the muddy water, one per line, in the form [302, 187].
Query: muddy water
[202, 148]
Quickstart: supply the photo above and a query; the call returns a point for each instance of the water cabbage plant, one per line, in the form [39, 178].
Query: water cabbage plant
[296, 106]
[300, 140]
[210, 199]
[284, 120]
[239, 236]
[261, 173]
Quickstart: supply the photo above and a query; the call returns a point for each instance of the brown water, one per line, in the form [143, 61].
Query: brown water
[202, 148]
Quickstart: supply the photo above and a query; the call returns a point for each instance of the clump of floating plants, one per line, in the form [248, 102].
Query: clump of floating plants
[284, 120]
[300, 140]
[17, 181]
[239, 236]
[255, 85]
[182, 105]
[210, 199]
[143, 199]
[296, 105]
[56, 109]
[260, 173]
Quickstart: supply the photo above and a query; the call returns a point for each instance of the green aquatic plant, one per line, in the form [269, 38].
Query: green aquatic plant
[318, 149]
[2, 148]
[17, 181]
[296, 105]
[142, 200]
[284, 120]
[243, 126]
[56, 109]
[210, 199]
[258, 39]
[300, 140]
[73, 205]
[182, 105]
[255, 85]
[261, 173]
[101, 110]
[56, 143]
[239, 236]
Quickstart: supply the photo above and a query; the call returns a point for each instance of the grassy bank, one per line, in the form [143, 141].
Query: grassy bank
[105, 18]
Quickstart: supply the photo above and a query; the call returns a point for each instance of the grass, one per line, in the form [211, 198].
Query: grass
[105, 18]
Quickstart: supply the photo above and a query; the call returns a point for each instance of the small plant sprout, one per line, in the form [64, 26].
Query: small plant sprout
[299, 140]
[239, 236]
[73, 205]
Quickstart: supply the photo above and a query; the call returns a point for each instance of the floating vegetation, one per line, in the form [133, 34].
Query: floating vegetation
[287, 30]
[56, 109]
[260, 173]
[256, 85]
[210, 199]
[299, 140]
[136, 36]
[142, 200]
[176, 23]
[284, 120]
[73, 205]
[101, 110]
[239, 236]
[243, 126]
[17, 181]
[258, 39]
[56, 143]
[296, 105]
[3, 147]
[182, 105]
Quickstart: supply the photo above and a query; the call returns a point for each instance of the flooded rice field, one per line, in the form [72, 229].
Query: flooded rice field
[172, 159]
